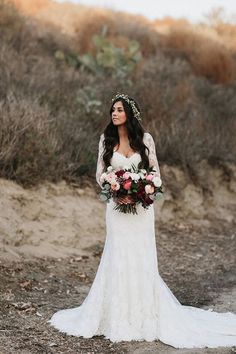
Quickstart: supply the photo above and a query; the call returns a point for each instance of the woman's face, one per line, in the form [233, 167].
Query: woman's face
[118, 114]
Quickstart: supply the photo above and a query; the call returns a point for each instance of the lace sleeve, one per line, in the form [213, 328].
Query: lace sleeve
[100, 162]
[153, 162]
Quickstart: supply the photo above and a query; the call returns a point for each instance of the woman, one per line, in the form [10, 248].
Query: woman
[128, 299]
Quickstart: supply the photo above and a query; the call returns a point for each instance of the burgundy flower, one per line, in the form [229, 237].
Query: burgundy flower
[120, 173]
[148, 201]
[141, 194]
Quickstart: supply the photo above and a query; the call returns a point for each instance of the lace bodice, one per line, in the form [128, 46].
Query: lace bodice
[118, 160]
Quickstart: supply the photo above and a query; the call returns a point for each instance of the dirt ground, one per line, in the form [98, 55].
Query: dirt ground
[50, 248]
[198, 264]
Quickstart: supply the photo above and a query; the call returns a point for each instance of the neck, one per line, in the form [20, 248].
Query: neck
[122, 131]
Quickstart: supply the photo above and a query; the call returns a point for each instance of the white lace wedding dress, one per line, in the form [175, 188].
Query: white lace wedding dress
[128, 299]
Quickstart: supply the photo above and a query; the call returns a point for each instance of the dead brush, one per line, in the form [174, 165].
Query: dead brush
[208, 58]
[27, 143]
[53, 110]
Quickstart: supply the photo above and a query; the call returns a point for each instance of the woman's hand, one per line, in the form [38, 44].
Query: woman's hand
[125, 200]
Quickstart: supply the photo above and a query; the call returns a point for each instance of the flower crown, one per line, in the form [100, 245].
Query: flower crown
[135, 110]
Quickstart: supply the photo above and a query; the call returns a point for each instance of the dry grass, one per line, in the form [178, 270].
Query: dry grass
[50, 108]
[227, 32]
[208, 57]
[118, 27]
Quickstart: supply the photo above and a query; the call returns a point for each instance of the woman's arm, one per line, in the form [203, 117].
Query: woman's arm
[153, 162]
[100, 162]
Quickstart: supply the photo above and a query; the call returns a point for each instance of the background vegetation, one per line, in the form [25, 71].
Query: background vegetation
[56, 89]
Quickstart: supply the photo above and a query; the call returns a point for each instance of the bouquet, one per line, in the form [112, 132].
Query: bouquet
[143, 186]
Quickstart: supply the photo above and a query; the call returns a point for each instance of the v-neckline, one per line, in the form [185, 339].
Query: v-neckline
[124, 155]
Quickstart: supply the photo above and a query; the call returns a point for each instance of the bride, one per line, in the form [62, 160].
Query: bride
[128, 299]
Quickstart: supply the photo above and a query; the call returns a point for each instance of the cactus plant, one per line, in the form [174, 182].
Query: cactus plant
[117, 61]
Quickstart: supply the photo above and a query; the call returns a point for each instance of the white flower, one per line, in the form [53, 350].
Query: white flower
[149, 189]
[134, 176]
[157, 181]
[143, 171]
[109, 168]
[103, 177]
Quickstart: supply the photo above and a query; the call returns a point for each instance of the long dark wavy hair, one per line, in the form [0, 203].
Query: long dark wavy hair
[135, 134]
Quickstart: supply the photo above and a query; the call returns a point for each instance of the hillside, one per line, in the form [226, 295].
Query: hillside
[70, 16]
[62, 63]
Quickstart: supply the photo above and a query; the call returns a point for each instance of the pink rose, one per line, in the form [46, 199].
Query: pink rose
[115, 186]
[149, 177]
[111, 177]
[149, 189]
[127, 184]
[126, 175]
